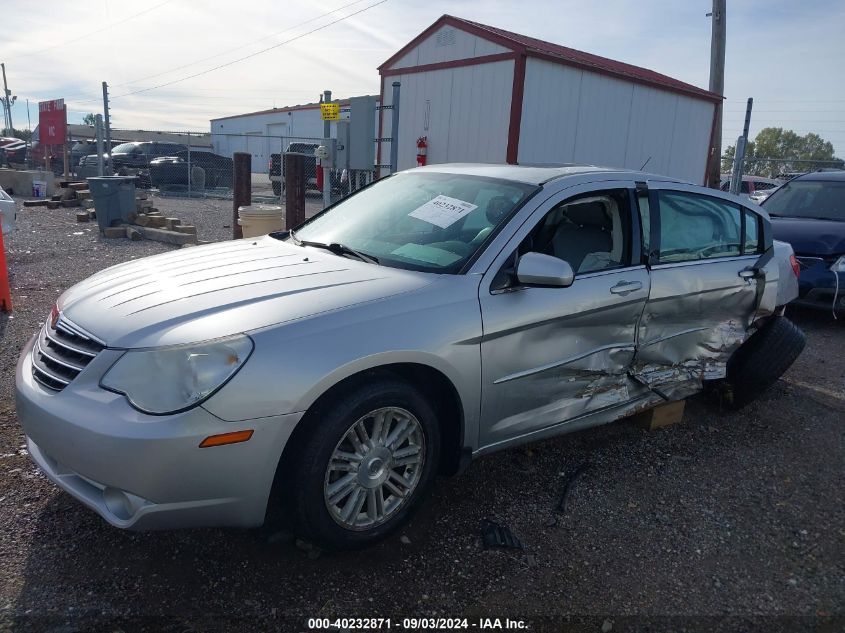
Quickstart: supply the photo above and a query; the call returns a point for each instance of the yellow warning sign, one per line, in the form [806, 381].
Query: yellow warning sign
[330, 111]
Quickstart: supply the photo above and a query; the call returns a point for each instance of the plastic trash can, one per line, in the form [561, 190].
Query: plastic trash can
[260, 219]
[114, 198]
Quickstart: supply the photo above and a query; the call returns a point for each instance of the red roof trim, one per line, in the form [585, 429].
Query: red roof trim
[455, 63]
[556, 53]
[449, 20]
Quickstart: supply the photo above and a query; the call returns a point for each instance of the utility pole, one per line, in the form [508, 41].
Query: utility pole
[717, 84]
[739, 152]
[107, 125]
[7, 103]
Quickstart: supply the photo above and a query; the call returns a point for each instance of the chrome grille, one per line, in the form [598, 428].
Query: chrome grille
[61, 352]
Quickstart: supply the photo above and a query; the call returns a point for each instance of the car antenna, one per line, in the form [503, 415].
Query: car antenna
[645, 163]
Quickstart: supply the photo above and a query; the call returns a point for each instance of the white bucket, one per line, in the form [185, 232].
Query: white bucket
[260, 219]
[39, 189]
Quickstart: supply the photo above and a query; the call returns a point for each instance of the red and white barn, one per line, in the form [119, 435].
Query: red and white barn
[483, 94]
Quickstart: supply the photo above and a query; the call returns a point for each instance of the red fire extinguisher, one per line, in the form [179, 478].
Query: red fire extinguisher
[422, 150]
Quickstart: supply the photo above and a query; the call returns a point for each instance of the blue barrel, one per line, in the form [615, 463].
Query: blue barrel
[114, 198]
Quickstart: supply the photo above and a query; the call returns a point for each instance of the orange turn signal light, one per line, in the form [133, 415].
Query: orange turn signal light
[226, 438]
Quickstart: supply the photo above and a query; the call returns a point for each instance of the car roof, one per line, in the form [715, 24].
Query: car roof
[529, 174]
[836, 176]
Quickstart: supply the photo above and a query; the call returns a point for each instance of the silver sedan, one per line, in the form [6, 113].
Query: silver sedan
[439, 314]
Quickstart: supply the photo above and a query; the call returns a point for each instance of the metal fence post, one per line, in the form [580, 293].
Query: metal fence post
[394, 129]
[242, 194]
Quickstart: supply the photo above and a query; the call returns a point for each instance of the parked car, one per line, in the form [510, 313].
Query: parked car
[12, 151]
[81, 149]
[173, 170]
[750, 185]
[809, 213]
[276, 169]
[136, 155]
[439, 314]
[8, 212]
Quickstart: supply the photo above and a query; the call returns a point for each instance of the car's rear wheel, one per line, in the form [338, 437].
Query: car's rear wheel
[364, 467]
[762, 359]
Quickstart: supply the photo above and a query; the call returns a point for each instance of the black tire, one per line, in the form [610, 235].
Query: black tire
[303, 482]
[762, 359]
[277, 188]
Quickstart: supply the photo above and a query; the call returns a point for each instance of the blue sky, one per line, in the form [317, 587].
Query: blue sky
[785, 54]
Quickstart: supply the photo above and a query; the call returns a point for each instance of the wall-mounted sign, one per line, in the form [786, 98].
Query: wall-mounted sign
[330, 111]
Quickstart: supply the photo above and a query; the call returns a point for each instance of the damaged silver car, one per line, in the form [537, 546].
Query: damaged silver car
[327, 374]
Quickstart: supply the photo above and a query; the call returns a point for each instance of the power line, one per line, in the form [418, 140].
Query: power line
[251, 55]
[82, 37]
[237, 48]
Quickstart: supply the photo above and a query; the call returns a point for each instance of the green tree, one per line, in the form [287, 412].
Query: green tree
[784, 146]
[88, 119]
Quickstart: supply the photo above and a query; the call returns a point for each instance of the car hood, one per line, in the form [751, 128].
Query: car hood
[221, 289]
[810, 237]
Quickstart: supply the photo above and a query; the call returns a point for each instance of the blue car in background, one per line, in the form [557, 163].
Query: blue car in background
[809, 213]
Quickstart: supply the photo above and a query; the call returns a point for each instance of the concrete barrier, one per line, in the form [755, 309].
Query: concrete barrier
[19, 181]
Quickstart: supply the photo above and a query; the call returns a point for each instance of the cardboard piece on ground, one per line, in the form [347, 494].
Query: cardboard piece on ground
[82, 216]
[661, 415]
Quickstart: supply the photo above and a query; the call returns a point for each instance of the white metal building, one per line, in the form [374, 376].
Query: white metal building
[482, 94]
[268, 131]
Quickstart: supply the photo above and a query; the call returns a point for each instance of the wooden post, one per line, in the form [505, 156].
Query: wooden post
[294, 190]
[242, 194]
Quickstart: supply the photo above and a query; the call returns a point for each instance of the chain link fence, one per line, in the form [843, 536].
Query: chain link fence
[201, 165]
[779, 167]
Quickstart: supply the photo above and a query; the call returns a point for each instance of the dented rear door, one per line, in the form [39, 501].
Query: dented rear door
[702, 296]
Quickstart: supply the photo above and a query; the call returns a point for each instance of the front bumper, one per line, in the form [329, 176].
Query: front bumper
[147, 472]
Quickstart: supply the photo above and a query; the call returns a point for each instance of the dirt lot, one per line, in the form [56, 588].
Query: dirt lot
[724, 522]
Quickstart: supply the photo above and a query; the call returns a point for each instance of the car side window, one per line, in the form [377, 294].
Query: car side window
[695, 226]
[752, 233]
[591, 232]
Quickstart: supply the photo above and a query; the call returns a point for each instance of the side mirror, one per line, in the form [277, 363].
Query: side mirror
[536, 269]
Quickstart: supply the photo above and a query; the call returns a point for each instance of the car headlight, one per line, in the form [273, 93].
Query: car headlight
[172, 379]
[839, 265]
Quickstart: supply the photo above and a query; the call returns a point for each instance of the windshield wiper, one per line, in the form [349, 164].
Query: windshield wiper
[336, 248]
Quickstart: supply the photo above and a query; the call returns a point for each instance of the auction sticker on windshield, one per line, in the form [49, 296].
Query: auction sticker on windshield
[443, 211]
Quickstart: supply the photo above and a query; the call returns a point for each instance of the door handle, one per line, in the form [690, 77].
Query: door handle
[748, 273]
[626, 287]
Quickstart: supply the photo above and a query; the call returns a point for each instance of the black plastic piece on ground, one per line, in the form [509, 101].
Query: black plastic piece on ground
[495, 535]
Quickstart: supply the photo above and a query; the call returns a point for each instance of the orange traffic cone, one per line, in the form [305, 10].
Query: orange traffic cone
[5, 290]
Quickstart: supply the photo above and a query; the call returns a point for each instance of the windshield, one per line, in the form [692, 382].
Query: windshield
[124, 148]
[808, 199]
[421, 221]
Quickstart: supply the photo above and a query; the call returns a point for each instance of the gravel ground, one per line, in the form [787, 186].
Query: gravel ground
[728, 521]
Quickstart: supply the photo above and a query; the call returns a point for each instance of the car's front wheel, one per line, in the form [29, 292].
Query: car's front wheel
[364, 466]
